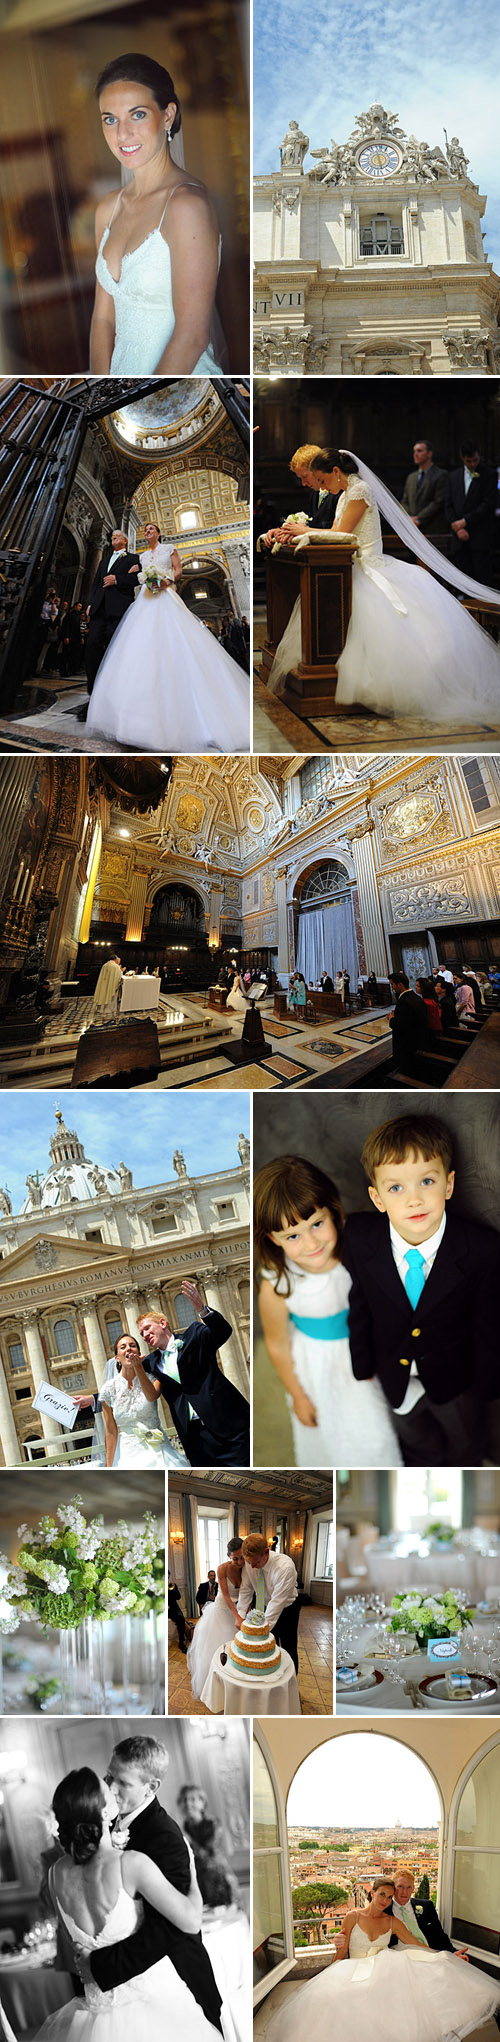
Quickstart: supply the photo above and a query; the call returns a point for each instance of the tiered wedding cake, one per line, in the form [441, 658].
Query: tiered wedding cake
[254, 1649]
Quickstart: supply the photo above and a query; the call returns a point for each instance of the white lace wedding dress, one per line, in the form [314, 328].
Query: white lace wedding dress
[141, 1440]
[165, 684]
[154, 2004]
[144, 312]
[383, 1995]
[212, 1631]
[411, 648]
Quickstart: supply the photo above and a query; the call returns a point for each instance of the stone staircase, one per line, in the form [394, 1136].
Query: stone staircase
[50, 1062]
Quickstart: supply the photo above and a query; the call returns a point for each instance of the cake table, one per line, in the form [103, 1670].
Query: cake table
[227, 1690]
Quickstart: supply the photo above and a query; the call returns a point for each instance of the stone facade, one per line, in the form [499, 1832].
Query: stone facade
[370, 261]
[88, 1253]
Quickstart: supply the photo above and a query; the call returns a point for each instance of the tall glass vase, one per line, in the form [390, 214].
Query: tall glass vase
[81, 1669]
[140, 1666]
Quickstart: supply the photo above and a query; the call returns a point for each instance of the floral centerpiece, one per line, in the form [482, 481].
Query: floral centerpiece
[443, 1532]
[428, 1616]
[70, 1570]
[153, 580]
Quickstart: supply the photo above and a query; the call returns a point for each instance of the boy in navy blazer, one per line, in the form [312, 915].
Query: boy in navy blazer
[425, 1299]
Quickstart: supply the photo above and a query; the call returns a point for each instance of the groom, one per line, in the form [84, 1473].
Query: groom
[111, 595]
[211, 1416]
[420, 1917]
[134, 1775]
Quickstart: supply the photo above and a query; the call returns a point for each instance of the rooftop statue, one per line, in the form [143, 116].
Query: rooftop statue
[294, 147]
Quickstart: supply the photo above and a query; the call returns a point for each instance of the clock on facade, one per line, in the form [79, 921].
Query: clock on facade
[379, 159]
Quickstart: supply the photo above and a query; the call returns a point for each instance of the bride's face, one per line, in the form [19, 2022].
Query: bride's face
[134, 126]
[382, 1899]
[110, 1804]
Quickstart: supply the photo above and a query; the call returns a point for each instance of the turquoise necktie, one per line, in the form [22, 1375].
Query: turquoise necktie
[414, 1279]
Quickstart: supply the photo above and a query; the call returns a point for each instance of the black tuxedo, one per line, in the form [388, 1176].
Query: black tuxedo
[410, 1029]
[425, 500]
[478, 507]
[203, 1593]
[321, 514]
[107, 607]
[155, 1833]
[219, 1436]
[452, 1334]
[428, 1921]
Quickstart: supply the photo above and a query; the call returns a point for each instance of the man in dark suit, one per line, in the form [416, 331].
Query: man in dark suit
[409, 1023]
[135, 1774]
[176, 1613]
[421, 1914]
[424, 491]
[208, 1590]
[424, 1307]
[111, 595]
[211, 1416]
[471, 503]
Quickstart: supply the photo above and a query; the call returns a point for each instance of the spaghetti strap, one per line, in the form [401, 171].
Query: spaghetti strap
[190, 184]
[112, 215]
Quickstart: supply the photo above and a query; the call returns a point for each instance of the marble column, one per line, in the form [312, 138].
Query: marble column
[96, 1348]
[232, 1365]
[216, 896]
[377, 958]
[8, 1435]
[138, 893]
[283, 953]
[39, 1369]
[129, 1303]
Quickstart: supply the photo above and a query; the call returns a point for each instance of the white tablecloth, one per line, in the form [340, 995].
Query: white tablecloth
[226, 1692]
[389, 1695]
[228, 1947]
[140, 995]
[389, 1573]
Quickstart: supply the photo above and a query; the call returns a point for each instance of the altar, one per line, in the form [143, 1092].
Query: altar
[321, 574]
[140, 995]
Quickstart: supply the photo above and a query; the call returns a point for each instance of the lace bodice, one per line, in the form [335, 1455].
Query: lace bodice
[368, 532]
[159, 556]
[361, 1945]
[130, 1407]
[143, 302]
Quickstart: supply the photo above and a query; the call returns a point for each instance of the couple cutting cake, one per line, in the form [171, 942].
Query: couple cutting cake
[238, 1578]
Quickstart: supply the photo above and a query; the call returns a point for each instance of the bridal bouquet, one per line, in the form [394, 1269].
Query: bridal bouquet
[428, 1616]
[69, 1570]
[154, 580]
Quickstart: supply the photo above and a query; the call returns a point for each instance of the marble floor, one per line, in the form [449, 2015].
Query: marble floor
[277, 729]
[315, 1668]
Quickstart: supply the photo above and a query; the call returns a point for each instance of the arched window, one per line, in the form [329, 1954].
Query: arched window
[33, 1447]
[65, 1337]
[184, 1311]
[114, 1330]
[273, 1927]
[475, 1900]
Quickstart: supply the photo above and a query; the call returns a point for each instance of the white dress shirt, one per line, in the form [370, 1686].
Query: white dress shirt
[428, 1249]
[280, 1576]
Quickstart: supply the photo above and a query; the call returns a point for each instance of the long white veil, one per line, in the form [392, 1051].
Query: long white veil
[416, 541]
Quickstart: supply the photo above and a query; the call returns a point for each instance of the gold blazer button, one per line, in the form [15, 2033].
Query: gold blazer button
[403, 1363]
[415, 1333]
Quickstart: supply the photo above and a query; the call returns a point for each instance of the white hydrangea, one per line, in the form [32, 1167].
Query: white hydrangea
[71, 1518]
[16, 1581]
[9, 1623]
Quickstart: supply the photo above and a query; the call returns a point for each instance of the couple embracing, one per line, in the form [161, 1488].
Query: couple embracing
[128, 1904]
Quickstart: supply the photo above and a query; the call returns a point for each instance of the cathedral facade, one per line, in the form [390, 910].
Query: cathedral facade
[369, 258]
[90, 1251]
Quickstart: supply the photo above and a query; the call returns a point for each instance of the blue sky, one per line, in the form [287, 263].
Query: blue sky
[119, 1126]
[324, 63]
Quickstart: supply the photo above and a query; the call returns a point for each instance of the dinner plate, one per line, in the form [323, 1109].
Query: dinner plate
[366, 1680]
[434, 1696]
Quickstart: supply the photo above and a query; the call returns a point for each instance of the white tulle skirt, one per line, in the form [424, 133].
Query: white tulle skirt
[395, 1996]
[154, 2005]
[210, 1634]
[428, 659]
[165, 684]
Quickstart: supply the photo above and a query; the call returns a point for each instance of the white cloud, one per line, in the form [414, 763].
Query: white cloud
[364, 1779]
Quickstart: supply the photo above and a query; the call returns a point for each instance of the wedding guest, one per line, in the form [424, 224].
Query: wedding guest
[446, 1005]
[425, 991]
[432, 1344]
[471, 979]
[409, 1024]
[208, 1590]
[471, 506]
[218, 1884]
[326, 982]
[464, 1000]
[424, 491]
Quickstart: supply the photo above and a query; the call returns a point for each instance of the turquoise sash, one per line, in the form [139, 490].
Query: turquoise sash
[335, 1327]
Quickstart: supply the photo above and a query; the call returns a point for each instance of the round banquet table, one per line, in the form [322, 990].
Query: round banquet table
[31, 1990]
[226, 1691]
[388, 1695]
[391, 1572]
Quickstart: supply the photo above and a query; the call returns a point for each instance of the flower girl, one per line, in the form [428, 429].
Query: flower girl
[303, 1299]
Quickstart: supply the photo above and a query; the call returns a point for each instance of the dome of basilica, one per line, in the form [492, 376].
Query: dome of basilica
[72, 1177]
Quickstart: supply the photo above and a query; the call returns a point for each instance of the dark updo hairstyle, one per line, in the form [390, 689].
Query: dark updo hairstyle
[78, 1809]
[334, 457]
[148, 73]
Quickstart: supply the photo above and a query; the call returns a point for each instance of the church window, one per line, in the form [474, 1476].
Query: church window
[164, 1223]
[188, 520]
[114, 1330]
[184, 1311]
[381, 236]
[65, 1337]
[313, 777]
[225, 1209]
[93, 1234]
[479, 785]
[17, 1356]
[34, 1447]
[324, 1550]
[23, 1393]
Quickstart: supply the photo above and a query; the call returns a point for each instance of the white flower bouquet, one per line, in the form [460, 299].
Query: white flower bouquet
[70, 1570]
[428, 1616]
[154, 580]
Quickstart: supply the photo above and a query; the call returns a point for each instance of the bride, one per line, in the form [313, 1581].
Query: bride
[98, 1894]
[381, 1995]
[411, 649]
[236, 998]
[129, 1400]
[165, 683]
[218, 1619]
[157, 237]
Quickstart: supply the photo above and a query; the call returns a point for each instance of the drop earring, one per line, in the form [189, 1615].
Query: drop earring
[169, 134]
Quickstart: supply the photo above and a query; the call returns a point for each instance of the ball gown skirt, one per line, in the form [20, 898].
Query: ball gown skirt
[156, 2004]
[434, 661]
[392, 1996]
[210, 1634]
[165, 684]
